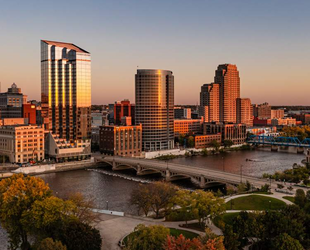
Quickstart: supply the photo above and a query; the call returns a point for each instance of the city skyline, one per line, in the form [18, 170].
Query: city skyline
[267, 46]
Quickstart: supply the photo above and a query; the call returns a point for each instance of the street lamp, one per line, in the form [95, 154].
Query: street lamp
[269, 205]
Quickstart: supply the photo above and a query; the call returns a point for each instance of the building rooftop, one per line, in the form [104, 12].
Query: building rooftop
[66, 45]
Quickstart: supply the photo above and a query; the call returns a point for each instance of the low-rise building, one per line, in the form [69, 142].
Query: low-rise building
[121, 140]
[203, 141]
[229, 131]
[283, 122]
[187, 126]
[22, 143]
[182, 113]
[61, 150]
[277, 113]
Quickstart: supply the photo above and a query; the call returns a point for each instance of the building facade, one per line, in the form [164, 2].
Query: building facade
[22, 144]
[13, 97]
[203, 141]
[154, 91]
[187, 126]
[244, 111]
[121, 140]
[30, 113]
[227, 76]
[210, 97]
[182, 113]
[122, 109]
[262, 111]
[66, 90]
[277, 113]
[229, 131]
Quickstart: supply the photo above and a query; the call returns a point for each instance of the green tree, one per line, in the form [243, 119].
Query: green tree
[215, 144]
[17, 195]
[190, 142]
[184, 199]
[230, 238]
[206, 205]
[300, 198]
[50, 244]
[286, 242]
[148, 237]
[228, 143]
[78, 236]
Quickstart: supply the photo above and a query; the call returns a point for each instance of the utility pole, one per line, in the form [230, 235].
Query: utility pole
[241, 172]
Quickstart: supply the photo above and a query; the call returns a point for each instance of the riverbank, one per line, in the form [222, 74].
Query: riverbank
[51, 168]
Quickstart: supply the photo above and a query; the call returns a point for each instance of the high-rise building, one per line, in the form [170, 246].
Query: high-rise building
[209, 96]
[227, 76]
[244, 111]
[263, 111]
[123, 109]
[66, 90]
[155, 108]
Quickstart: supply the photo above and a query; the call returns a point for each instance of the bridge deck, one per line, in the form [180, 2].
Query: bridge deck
[192, 171]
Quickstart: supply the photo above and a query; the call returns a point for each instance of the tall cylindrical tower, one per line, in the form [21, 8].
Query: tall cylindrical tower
[155, 108]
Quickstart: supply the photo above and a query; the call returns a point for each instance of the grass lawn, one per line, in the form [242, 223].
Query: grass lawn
[255, 202]
[227, 218]
[289, 198]
[174, 232]
[187, 234]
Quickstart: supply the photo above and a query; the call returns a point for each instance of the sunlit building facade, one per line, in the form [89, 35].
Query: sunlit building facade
[155, 108]
[66, 90]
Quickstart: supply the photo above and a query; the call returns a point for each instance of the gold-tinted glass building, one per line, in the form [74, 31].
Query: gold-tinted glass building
[155, 108]
[66, 90]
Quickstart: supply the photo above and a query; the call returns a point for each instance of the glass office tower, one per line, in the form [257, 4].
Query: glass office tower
[66, 90]
[155, 108]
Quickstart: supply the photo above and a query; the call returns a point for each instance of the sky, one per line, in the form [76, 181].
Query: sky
[268, 40]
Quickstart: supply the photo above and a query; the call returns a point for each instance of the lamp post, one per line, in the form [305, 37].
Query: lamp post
[107, 205]
[269, 205]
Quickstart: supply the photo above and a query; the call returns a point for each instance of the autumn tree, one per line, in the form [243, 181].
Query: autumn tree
[50, 244]
[161, 196]
[141, 198]
[179, 243]
[17, 195]
[147, 237]
[84, 207]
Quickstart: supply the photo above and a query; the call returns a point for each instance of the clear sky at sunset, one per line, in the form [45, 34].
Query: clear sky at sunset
[269, 41]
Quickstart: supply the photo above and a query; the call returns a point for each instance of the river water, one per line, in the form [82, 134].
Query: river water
[112, 189]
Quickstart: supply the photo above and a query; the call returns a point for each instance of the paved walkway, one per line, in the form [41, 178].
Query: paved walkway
[114, 228]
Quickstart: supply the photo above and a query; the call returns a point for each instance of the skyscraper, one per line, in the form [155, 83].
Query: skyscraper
[155, 108]
[227, 76]
[209, 96]
[66, 90]
[244, 111]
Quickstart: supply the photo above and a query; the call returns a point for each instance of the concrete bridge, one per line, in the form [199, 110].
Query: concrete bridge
[172, 171]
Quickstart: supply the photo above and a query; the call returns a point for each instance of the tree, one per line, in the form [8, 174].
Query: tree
[228, 143]
[161, 196]
[286, 242]
[84, 208]
[215, 144]
[48, 215]
[190, 142]
[179, 243]
[300, 198]
[184, 200]
[147, 237]
[206, 205]
[17, 195]
[78, 236]
[141, 198]
[230, 238]
[50, 244]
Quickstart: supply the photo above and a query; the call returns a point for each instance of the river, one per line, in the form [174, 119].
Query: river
[113, 192]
